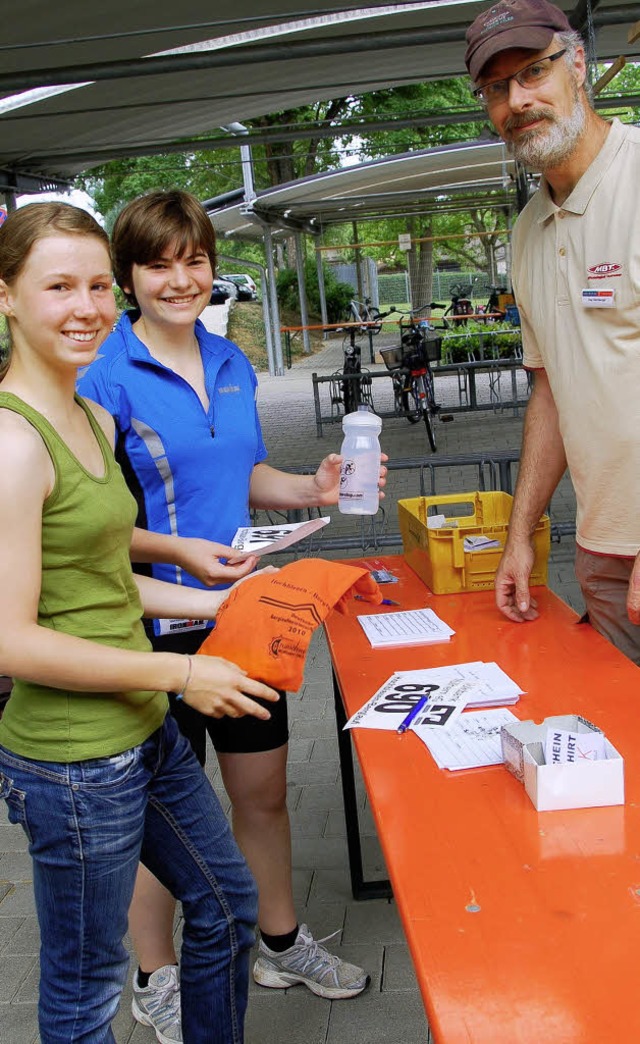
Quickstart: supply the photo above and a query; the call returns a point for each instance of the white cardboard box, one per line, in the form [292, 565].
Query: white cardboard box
[587, 784]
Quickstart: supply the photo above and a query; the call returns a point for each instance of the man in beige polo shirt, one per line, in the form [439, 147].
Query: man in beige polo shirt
[576, 276]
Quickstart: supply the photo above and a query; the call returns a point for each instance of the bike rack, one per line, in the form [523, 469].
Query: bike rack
[466, 373]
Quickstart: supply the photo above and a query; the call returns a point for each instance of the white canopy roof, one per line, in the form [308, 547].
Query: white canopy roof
[124, 103]
[398, 185]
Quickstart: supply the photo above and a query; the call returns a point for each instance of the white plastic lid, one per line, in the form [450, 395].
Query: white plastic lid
[362, 418]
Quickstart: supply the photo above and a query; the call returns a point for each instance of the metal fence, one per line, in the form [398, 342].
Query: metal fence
[407, 477]
[393, 287]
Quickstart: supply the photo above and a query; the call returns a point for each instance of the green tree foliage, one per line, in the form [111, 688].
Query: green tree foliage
[206, 174]
[412, 102]
[434, 98]
[279, 162]
[337, 294]
[626, 82]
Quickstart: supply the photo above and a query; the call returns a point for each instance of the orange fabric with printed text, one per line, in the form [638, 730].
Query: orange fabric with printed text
[266, 623]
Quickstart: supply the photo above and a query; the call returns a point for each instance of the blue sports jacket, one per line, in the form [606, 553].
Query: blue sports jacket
[188, 468]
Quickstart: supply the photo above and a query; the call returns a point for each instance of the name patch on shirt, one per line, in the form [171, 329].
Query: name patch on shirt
[178, 626]
[229, 388]
[600, 298]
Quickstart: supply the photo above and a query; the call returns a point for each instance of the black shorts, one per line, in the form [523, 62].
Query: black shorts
[247, 735]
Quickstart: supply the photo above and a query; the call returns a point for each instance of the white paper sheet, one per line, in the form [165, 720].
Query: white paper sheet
[408, 627]
[473, 741]
[263, 540]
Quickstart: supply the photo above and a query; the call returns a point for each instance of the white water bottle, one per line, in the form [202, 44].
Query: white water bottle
[360, 469]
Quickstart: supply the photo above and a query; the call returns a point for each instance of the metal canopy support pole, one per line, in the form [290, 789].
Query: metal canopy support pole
[273, 299]
[356, 247]
[302, 291]
[266, 318]
[322, 292]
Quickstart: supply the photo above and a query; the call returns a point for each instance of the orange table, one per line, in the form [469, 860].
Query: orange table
[523, 926]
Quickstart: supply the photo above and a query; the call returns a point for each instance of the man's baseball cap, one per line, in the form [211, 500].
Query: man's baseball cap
[528, 24]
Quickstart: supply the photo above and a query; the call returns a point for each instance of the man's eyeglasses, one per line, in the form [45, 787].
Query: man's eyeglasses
[531, 76]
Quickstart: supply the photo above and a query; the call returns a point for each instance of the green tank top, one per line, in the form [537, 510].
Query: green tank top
[87, 590]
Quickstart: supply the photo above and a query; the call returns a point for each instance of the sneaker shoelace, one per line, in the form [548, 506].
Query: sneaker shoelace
[165, 1003]
[315, 954]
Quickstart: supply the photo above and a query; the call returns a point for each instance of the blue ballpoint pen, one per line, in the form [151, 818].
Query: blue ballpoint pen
[385, 601]
[412, 715]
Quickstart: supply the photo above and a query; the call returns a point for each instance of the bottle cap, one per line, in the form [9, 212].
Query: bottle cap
[362, 418]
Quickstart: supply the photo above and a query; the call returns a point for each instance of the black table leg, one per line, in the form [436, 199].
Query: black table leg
[360, 888]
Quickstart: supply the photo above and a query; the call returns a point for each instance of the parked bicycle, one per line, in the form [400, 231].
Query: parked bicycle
[356, 384]
[460, 304]
[493, 311]
[365, 312]
[455, 314]
[410, 366]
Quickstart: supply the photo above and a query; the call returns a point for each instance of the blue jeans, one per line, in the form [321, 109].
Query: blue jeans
[88, 825]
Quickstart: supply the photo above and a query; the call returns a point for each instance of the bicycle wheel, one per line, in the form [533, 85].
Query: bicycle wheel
[373, 315]
[410, 400]
[351, 390]
[422, 397]
[398, 388]
[430, 408]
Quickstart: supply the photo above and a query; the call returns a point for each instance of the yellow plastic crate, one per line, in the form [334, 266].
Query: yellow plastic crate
[438, 555]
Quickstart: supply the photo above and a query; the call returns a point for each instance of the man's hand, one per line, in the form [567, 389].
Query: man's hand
[201, 558]
[633, 595]
[513, 597]
[327, 479]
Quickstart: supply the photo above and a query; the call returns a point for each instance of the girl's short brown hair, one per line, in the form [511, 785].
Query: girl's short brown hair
[149, 224]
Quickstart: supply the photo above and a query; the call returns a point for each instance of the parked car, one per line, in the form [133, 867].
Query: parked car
[247, 289]
[222, 290]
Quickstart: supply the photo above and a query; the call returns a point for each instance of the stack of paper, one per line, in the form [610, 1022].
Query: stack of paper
[485, 684]
[408, 627]
[493, 688]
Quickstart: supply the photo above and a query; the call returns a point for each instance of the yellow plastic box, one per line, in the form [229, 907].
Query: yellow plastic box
[438, 555]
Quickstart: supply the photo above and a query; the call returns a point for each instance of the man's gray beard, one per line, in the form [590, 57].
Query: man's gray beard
[550, 145]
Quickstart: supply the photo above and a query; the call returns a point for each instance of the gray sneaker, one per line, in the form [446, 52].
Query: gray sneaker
[158, 1004]
[309, 962]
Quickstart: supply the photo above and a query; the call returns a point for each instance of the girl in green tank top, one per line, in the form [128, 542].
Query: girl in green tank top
[88, 692]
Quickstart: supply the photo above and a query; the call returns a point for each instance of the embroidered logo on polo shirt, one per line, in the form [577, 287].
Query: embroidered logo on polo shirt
[229, 388]
[605, 270]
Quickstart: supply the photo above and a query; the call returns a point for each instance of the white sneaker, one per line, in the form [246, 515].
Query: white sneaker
[158, 1004]
[307, 961]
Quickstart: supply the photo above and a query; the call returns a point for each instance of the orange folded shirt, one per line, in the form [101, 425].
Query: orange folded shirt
[266, 623]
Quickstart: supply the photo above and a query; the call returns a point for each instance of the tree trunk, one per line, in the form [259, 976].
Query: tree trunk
[420, 266]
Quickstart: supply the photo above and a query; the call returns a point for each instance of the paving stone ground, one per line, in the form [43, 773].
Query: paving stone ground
[370, 934]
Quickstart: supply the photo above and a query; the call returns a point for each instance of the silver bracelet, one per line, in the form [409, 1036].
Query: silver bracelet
[180, 695]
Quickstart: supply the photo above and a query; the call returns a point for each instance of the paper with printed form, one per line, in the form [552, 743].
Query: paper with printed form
[473, 741]
[486, 685]
[408, 627]
[263, 540]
